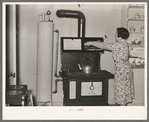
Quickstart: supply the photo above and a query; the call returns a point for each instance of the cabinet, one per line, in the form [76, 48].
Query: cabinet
[135, 25]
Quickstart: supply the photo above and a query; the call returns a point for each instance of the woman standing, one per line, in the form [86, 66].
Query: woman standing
[124, 84]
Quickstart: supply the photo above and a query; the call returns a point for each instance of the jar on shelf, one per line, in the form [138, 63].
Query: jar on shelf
[137, 41]
[141, 16]
[132, 29]
[137, 15]
[142, 29]
[142, 61]
[142, 40]
[138, 61]
[131, 60]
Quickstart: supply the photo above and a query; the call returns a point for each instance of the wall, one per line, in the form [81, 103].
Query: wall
[100, 20]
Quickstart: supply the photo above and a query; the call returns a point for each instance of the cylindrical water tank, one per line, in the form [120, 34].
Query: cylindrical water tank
[44, 61]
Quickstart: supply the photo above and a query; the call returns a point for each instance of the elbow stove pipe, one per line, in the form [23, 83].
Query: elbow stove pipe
[74, 14]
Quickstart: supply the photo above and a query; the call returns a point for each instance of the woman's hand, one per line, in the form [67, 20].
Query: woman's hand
[88, 44]
[93, 43]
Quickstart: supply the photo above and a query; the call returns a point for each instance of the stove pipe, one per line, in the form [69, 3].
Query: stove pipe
[74, 14]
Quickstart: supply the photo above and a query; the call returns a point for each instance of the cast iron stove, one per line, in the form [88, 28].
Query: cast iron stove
[82, 89]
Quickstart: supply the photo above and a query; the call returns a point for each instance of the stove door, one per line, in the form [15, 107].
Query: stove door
[91, 88]
[85, 92]
[72, 89]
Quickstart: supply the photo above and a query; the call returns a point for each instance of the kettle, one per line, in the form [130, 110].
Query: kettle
[87, 66]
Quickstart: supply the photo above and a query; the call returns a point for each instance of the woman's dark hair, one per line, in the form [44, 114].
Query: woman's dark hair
[123, 33]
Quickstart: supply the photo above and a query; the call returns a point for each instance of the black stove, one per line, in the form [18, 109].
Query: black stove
[82, 89]
[86, 90]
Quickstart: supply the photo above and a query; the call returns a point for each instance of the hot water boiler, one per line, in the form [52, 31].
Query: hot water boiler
[45, 36]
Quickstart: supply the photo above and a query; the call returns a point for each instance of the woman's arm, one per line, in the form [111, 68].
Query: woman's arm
[102, 45]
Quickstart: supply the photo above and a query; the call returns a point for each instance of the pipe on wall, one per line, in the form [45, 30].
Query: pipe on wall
[11, 39]
[74, 14]
[56, 81]
[56, 56]
[14, 43]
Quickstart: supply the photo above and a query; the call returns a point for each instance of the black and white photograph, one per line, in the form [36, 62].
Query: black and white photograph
[74, 60]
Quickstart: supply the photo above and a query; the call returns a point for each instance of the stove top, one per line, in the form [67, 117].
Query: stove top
[79, 74]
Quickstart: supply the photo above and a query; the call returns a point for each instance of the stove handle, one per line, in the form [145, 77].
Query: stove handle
[92, 86]
[69, 68]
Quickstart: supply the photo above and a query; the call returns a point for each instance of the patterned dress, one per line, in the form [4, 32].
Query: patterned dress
[124, 84]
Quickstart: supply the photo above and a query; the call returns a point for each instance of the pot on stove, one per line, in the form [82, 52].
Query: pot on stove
[87, 66]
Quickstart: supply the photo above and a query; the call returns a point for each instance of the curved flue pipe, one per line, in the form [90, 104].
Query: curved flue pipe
[74, 14]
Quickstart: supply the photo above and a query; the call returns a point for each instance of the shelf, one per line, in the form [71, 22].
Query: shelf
[136, 6]
[136, 32]
[137, 46]
[131, 19]
[135, 26]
